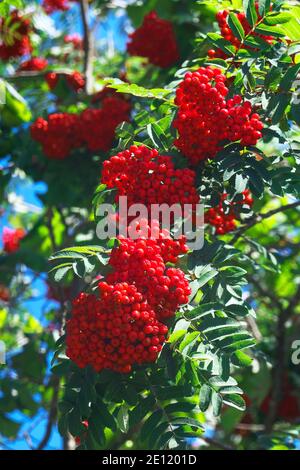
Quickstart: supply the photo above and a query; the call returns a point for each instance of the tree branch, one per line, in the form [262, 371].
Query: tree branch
[87, 47]
[52, 415]
[257, 218]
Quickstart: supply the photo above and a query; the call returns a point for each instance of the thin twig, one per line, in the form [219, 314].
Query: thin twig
[256, 219]
[52, 414]
[87, 47]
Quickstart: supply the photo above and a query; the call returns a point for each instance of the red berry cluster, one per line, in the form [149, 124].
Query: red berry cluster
[97, 126]
[144, 176]
[74, 39]
[206, 118]
[11, 239]
[155, 40]
[4, 293]
[114, 332]
[34, 64]
[50, 6]
[14, 36]
[58, 134]
[225, 221]
[75, 80]
[142, 262]
[124, 325]
[93, 128]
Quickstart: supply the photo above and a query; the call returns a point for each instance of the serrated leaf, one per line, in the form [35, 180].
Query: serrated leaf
[289, 77]
[135, 90]
[123, 418]
[219, 42]
[176, 335]
[150, 423]
[277, 18]
[250, 10]
[60, 271]
[236, 26]
[187, 422]
[235, 401]
[189, 338]
[263, 6]
[205, 397]
[217, 403]
[202, 310]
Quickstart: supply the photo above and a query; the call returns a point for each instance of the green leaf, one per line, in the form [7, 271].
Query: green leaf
[277, 18]
[151, 422]
[61, 369]
[202, 310]
[249, 9]
[225, 367]
[217, 403]
[270, 30]
[123, 418]
[235, 26]
[187, 422]
[180, 407]
[219, 42]
[289, 77]
[189, 338]
[74, 422]
[263, 6]
[278, 106]
[135, 90]
[230, 390]
[243, 359]
[176, 335]
[63, 424]
[204, 274]
[78, 252]
[107, 418]
[237, 310]
[205, 397]
[235, 401]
